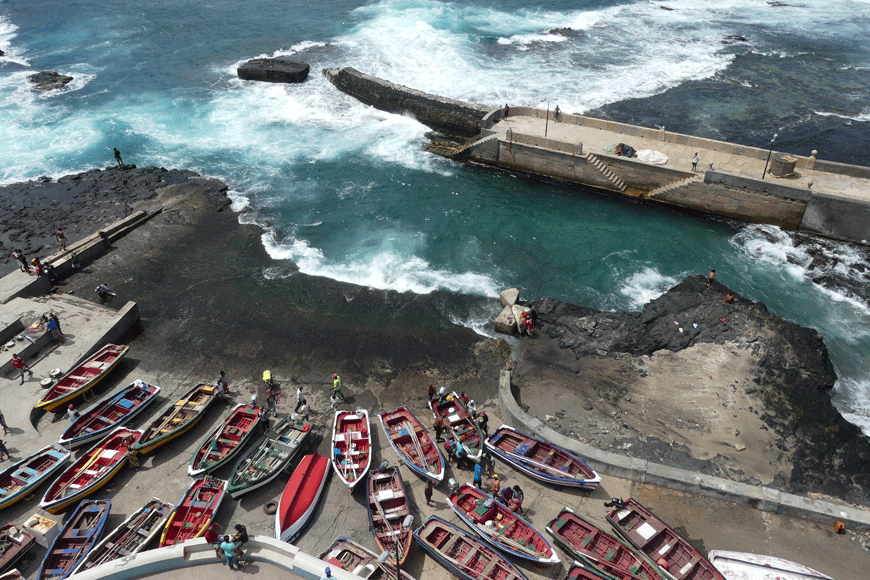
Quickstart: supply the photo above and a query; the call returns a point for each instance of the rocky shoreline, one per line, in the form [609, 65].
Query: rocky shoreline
[728, 389]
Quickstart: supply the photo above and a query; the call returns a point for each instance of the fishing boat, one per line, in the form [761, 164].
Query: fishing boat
[351, 446]
[589, 543]
[82, 378]
[413, 443]
[459, 423]
[300, 496]
[91, 471]
[581, 571]
[646, 532]
[14, 543]
[541, 459]
[177, 419]
[194, 511]
[131, 537]
[114, 411]
[500, 527]
[462, 554]
[360, 561]
[227, 439]
[388, 507]
[24, 476]
[268, 457]
[749, 566]
[75, 539]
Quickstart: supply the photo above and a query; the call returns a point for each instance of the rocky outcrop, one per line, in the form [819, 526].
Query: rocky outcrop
[786, 379]
[439, 113]
[274, 70]
[49, 80]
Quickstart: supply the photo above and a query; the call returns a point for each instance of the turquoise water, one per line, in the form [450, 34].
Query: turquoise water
[347, 192]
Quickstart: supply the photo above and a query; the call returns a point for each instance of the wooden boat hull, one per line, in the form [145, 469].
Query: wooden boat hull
[541, 459]
[14, 543]
[413, 444]
[77, 537]
[485, 508]
[228, 438]
[360, 561]
[598, 549]
[460, 423]
[24, 476]
[268, 457]
[300, 496]
[748, 566]
[113, 412]
[462, 554]
[351, 444]
[387, 508]
[581, 571]
[649, 534]
[91, 471]
[197, 507]
[131, 537]
[177, 419]
[83, 377]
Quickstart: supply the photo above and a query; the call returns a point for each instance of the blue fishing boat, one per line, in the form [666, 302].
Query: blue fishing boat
[24, 476]
[75, 539]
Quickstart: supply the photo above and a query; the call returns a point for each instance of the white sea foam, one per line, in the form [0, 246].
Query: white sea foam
[863, 116]
[646, 285]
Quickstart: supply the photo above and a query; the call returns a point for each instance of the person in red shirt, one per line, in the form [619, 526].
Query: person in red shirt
[18, 363]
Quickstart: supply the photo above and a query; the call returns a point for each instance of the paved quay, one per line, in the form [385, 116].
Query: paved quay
[710, 523]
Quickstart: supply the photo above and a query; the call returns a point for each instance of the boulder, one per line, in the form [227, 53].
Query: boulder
[49, 80]
[274, 70]
[509, 297]
[505, 322]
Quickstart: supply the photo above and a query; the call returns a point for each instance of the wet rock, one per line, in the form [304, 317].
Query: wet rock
[274, 70]
[49, 80]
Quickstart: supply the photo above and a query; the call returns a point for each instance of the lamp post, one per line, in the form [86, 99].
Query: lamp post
[547, 120]
[385, 555]
[775, 135]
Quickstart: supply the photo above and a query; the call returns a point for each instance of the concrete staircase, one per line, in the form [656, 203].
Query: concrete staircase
[465, 151]
[675, 185]
[596, 162]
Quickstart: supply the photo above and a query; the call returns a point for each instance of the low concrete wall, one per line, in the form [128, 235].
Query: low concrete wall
[643, 471]
[758, 185]
[837, 217]
[442, 114]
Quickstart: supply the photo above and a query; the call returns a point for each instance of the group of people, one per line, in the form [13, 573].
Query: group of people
[227, 548]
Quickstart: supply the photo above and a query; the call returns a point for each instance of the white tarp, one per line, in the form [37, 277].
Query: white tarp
[654, 157]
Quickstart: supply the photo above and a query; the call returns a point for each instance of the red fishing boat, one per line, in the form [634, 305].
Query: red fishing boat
[177, 419]
[541, 459]
[458, 423]
[91, 471]
[194, 511]
[300, 496]
[586, 541]
[22, 477]
[351, 446]
[226, 440]
[83, 377]
[659, 541]
[75, 539]
[360, 561]
[463, 555]
[413, 443]
[388, 507]
[114, 411]
[14, 543]
[501, 527]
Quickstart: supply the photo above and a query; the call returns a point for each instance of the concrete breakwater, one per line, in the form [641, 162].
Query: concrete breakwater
[734, 181]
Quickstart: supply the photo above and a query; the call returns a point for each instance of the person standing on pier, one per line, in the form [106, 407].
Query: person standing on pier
[61, 239]
[19, 365]
[507, 110]
[695, 160]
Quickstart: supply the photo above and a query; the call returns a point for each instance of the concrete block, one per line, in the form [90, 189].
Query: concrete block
[509, 297]
[504, 322]
[770, 502]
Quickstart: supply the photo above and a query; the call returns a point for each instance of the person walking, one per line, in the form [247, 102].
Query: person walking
[300, 396]
[695, 160]
[336, 386]
[72, 414]
[52, 325]
[229, 549]
[22, 261]
[478, 477]
[61, 239]
[3, 424]
[4, 451]
[427, 492]
[483, 422]
[118, 157]
[19, 364]
[439, 428]
[496, 486]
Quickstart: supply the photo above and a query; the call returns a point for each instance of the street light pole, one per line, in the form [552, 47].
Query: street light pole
[775, 135]
[547, 121]
[385, 555]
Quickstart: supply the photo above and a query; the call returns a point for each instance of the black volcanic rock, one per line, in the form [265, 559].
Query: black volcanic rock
[49, 80]
[274, 70]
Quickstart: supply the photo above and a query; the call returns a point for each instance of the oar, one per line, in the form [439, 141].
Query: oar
[499, 538]
[537, 463]
[81, 470]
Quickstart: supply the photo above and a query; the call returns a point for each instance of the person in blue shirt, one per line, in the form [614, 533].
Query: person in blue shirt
[229, 549]
[478, 479]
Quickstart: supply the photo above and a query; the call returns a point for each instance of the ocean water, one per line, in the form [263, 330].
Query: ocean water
[347, 192]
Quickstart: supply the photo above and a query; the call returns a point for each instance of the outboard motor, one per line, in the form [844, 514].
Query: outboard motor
[452, 485]
[382, 468]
